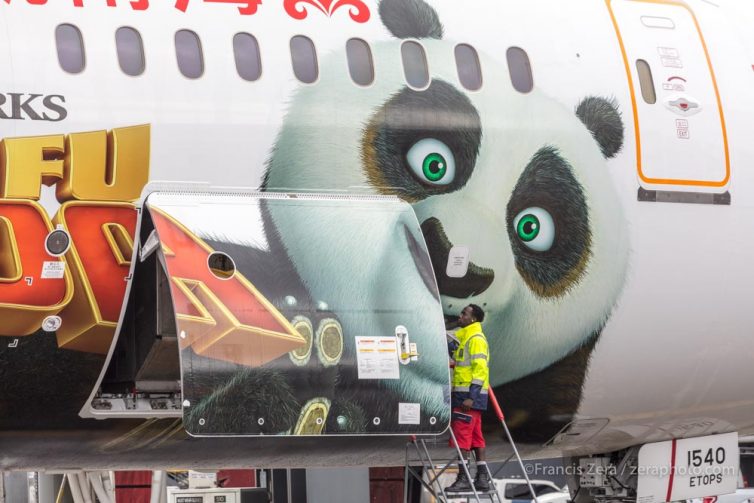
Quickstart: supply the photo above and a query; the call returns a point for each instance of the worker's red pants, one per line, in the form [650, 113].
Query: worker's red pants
[468, 433]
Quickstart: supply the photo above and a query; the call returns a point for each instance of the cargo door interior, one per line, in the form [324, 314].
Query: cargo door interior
[681, 139]
[281, 314]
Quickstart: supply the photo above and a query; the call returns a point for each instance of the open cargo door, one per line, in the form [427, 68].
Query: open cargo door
[292, 314]
[681, 138]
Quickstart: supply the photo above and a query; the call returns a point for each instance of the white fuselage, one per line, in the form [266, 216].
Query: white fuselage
[674, 358]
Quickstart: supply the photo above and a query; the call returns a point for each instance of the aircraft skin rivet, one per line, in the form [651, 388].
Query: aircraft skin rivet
[290, 300]
[260, 421]
[186, 403]
[201, 422]
[432, 420]
[183, 334]
[376, 421]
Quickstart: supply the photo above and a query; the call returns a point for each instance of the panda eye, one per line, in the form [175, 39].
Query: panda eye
[432, 162]
[535, 228]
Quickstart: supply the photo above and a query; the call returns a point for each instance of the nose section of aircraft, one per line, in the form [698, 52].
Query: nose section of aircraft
[477, 279]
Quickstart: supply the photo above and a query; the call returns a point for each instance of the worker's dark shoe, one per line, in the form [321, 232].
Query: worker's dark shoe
[482, 481]
[461, 485]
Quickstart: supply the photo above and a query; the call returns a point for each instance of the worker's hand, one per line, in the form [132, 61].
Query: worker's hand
[467, 404]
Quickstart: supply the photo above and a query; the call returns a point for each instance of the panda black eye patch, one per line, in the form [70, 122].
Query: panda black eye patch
[450, 127]
[548, 202]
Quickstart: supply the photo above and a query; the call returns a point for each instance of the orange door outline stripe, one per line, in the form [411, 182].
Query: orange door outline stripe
[670, 181]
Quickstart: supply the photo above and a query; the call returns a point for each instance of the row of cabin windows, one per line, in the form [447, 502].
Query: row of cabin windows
[188, 50]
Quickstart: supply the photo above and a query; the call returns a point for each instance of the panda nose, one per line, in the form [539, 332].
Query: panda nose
[477, 279]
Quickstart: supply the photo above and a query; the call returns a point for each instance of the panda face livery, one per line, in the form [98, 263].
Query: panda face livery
[519, 179]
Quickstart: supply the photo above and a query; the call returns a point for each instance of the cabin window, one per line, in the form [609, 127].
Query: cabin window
[248, 59]
[188, 52]
[304, 59]
[70, 47]
[360, 64]
[130, 51]
[469, 70]
[519, 68]
[415, 66]
[646, 82]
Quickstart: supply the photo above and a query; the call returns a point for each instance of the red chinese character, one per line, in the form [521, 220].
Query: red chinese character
[80, 3]
[181, 5]
[139, 4]
[250, 8]
[34, 2]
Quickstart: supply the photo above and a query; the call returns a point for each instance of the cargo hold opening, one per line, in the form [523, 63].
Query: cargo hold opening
[143, 375]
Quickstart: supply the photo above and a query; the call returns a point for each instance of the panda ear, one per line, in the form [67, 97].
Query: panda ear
[603, 119]
[410, 19]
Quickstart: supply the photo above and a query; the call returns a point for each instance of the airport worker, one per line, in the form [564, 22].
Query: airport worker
[471, 383]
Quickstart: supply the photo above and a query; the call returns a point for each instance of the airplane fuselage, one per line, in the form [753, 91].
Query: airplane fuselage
[618, 129]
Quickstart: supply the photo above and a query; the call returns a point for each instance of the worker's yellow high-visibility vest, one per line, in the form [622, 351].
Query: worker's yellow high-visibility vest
[471, 357]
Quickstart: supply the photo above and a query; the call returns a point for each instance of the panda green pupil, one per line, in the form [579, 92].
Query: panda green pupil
[528, 228]
[434, 167]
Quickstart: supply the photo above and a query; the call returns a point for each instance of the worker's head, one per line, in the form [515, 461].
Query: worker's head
[471, 314]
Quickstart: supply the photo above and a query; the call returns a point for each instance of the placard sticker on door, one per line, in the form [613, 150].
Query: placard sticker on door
[672, 62]
[377, 357]
[409, 413]
[669, 52]
[53, 270]
[682, 126]
[458, 262]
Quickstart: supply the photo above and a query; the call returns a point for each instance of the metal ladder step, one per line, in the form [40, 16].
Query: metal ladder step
[433, 471]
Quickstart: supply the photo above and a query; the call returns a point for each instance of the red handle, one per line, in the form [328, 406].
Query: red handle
[496, 405]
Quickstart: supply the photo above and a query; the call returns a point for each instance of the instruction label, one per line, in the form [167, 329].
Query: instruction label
[409, 413]
[53, 270]
[682, 127]
[377, 357]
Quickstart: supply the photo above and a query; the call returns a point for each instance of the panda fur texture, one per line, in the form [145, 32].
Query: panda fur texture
[507, 156]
